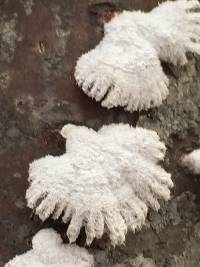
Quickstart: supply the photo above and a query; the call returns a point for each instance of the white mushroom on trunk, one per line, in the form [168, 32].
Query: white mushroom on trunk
[124, 68]
[49, 250]
[104, 182]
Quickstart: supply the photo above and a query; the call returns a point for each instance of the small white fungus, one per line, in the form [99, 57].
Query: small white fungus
[192, 161]
[104, 182]
[49, 250]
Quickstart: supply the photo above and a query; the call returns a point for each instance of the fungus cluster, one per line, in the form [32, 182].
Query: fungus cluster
[107, 180]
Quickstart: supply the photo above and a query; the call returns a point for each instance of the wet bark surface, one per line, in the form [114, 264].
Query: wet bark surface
[40, 42]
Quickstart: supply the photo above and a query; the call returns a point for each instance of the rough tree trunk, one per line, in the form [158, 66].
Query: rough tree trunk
[40, 41]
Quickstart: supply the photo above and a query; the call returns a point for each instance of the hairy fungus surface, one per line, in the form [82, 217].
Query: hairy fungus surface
[104, 182]
[124, 68]
[49, 250]
[173, 28]
[192, 161]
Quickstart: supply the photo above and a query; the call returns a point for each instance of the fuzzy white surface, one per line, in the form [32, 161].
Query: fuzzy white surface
[104, 182]
[124, 68]
[173, 28]
[49, 250]
[192, 161]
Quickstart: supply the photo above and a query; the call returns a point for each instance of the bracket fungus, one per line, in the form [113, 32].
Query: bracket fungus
[124, 68]
[49, 250]
[105, 182]
[192, 161]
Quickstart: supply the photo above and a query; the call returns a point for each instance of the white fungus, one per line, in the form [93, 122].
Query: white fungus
[49, 250]
[173, 28]
[124, 68]
[192, 161]
[104, 182]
